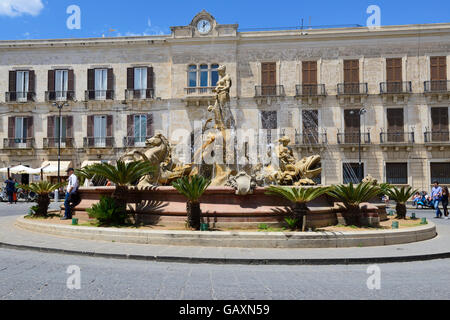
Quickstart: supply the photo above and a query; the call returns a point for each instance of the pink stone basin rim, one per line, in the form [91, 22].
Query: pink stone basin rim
[222, 205]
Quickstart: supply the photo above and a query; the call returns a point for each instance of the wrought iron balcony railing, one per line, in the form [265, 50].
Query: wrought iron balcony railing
[269, 91]
[353, 138]
[20, 96]
[395, 87]
[437, 136]
[352, 89]
[21, 143]
[98, 142]
[99, 95]
[135, 141]
[199, 91]
[310, 139]
[59, 95]
[440, 86]
[400, 137]
[310, 90]
[50, 143]
[138, 94]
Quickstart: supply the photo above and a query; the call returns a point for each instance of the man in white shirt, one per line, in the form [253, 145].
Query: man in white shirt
[71, 194]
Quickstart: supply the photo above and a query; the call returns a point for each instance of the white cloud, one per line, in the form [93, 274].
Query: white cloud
[15, 8]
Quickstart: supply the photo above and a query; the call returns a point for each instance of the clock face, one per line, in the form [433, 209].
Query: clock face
[204, 26]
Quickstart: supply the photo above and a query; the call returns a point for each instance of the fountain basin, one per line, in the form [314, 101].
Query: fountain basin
[222, 208]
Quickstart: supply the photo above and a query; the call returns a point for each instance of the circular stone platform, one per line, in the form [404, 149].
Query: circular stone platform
[238, 239]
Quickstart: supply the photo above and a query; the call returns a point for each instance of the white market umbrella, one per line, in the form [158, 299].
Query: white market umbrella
[21, 170]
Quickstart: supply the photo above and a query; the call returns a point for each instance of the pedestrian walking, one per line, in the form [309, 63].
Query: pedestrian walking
[16, 187]
[445, 201]
[436, 195]
[72, 198]
[10, 187]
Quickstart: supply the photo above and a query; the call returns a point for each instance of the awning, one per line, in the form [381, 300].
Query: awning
[4, 170]
[51, 167]
[88, 163]
[21, 170]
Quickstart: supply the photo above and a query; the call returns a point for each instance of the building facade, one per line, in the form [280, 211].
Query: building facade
[335, 92]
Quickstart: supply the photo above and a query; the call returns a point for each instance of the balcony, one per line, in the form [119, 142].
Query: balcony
[98, 142]
[138, 94]
[310, 90]
[397, 137]
[50, 143]
[21, 97]
[59, 96]
[437, 89]
[269, 91]
[353, 138]
[344, 89]
[137, 142]
[199, 95]
[437, 137]
[396, 87]
[26, 143]
[311, 139]
[99, 95]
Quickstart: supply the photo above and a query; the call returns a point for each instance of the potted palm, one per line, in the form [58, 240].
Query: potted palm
[192, 188]
[299, 197]
[352, 196]
[401, 196]
[123, 175]
[42, 189]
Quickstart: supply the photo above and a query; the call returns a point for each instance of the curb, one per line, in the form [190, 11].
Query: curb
[223, 261]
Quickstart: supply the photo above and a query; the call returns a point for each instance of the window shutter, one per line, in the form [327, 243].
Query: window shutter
[351, 71]
[130, 131]
[109, 94]
[31, 81]
[109, 126]
[309, 72]
[71, 81]
[150, 127]
[51, 127]
[51, 80]
[12, 81]
[150, 78]
[69, 132]
[91, 84]
[130, 79]
[30, 131]
[90, 127]
[11, 127]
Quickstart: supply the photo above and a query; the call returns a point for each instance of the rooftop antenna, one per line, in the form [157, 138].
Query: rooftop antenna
[301, 30]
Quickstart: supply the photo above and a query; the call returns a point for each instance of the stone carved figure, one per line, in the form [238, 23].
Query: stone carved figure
[222, 91]
[243, 183]
[292, 171]
[370, 179]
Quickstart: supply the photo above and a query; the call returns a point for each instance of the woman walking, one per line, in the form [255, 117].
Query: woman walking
[10, 187]
[445, 201]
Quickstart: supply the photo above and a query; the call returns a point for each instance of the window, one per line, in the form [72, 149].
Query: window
[352, 121]
[21, 130]
[214, 75]
[22, 82]
[310, 120]
[63, 128]
[309, 75]
[395, 120]
[269, 79]
[61, 84]
[140, 129]
[394, 75]
[351, 77]
[397, 173]
[269, 122]
[351, 172]
[140, 82]
[100, 131]
[101, 83]
[438, 67]
[203, 76]
[193, 76]
[439, 119]
[440, 172]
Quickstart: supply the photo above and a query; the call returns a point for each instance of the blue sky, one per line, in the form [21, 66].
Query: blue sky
[43, 19]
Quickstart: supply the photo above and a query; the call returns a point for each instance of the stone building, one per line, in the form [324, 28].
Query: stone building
[309, 84]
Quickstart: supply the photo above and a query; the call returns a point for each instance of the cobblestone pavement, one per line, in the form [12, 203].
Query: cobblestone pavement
[34, 275]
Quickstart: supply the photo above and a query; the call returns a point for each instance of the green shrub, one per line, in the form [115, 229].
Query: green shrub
[292, 222]
[108, 212]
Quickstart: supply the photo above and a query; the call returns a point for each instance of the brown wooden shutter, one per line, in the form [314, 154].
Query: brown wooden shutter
[71, 85]
[130, 131]
[351, 71]
[268, 78]
[30, 129]
[11, 127]
[352, 123]
[150, 78]
[396, 128]
[109, 94]
[109, 126]
[31, 81]
[130, 78]
[394, 70]
[51, 127]
[69, 133]
[309, 71]
[150, 127]
[440, 127]
[91, 84]
[90, 126]
[12, 81]
[51, 80]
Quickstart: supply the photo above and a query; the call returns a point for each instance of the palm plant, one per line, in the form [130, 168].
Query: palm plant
[401, 196]
[42, 189]
[299, 197]
[122, 175]
[352, 197]
[192, 188]
[84, 174]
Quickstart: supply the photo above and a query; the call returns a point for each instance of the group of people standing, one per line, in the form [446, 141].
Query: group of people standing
[440, 195]
[11, 190]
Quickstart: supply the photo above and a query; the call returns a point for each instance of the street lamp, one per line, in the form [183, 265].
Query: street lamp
[60, 106]
[361, 112]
